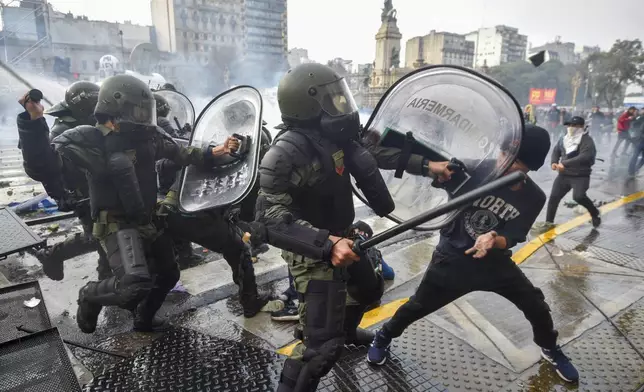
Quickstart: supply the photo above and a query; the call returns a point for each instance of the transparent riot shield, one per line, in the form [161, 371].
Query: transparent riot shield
[182, 111]
[237, 113]
[440, 113]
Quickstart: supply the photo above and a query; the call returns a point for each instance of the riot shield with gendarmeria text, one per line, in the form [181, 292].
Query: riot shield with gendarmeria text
[237, 113]
[443, 113]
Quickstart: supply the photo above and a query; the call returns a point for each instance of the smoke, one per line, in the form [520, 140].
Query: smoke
[11, 89]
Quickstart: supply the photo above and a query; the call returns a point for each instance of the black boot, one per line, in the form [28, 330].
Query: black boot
[253, 304]
[185, 254]
[145, 319]
[88, 311]
[103, 268]
[155, 324]
[249, 297]
[53, 258]
[354, 335]
[51, 265]
[289, 377]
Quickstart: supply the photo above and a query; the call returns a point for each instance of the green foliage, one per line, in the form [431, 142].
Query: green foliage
[610, 72]
[521, 76]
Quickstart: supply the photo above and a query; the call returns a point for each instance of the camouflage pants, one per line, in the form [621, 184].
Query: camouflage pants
[304, 270]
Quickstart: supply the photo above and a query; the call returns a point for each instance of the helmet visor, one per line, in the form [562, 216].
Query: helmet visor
[138, 111]
[335, 98]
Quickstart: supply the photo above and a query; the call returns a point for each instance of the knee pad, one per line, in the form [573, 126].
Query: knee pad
[324, 326]
[325, 302]
[319, 362]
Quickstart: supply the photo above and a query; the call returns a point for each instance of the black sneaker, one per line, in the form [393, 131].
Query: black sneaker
[87, 313]
[564, 368]
[597, 220]
[289, 313]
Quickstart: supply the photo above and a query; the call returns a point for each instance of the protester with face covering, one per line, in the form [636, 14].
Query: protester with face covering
[623, 126]
[573, 157]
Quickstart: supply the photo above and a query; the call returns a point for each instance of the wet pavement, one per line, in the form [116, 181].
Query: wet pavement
[593, 281]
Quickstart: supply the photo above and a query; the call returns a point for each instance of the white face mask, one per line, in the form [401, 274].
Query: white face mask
[573, 131]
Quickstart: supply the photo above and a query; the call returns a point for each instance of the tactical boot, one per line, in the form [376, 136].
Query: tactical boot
[185, 254]
[156, 324]
[354, 335]
[87, 313]
[103, 268]
[52, 266]
[253, 304]
[290, 375]
[146, 321]
[250, 299]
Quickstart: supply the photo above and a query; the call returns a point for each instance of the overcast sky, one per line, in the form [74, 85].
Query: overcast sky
[346, 28]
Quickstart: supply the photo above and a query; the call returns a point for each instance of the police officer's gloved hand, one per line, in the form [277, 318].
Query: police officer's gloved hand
[187, 128]
[257, 230]
[65, 204]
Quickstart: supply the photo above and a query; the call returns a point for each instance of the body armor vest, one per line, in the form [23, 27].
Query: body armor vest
[327, 203]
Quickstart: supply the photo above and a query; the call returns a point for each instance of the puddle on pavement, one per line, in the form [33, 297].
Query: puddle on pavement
[627, 321]
[546, 380]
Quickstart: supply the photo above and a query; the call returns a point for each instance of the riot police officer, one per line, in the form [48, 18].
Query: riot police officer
[163, 109]
[76, 109]
[119, 154]
[305, 206]
[217, 231]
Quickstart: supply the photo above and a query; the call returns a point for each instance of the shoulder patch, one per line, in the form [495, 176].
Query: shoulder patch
[132, 155]
[338, 160]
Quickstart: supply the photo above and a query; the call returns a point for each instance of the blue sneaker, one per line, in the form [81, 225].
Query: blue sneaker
[387, 272]
[564, 368]
[379, 349]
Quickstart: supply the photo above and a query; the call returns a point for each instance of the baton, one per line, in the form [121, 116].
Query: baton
[176, 121]
[22, 80]
[455, 203]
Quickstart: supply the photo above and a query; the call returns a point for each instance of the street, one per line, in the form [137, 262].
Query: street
[592, 280]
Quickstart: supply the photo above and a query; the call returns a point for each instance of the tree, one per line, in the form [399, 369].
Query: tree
[611, 72]
[520, 77]
[606, 74]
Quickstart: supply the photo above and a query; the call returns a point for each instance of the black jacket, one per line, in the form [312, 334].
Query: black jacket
[579, 162]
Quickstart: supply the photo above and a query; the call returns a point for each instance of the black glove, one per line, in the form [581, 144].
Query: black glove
[257, 230]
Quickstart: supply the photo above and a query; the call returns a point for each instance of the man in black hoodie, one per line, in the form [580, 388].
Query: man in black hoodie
[573, 157]
[473, 254]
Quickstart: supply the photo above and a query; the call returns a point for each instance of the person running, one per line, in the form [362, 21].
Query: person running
[573, 157]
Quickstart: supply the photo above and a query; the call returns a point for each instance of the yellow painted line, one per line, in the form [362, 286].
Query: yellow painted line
[528, 249]
[387, 310]
[370, 318]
